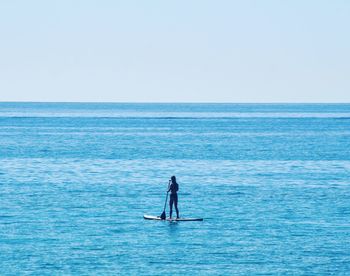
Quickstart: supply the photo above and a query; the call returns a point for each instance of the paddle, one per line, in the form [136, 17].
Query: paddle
[163, 215]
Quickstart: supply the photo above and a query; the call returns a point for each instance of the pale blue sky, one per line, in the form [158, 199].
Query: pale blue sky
[175, 51]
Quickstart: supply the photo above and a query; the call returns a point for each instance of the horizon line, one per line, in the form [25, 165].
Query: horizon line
[161, 102]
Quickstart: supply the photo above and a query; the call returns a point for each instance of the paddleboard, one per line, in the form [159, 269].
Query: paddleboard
[173, 219]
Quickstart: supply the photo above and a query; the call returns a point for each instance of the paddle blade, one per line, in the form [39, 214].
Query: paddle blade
[163, 216]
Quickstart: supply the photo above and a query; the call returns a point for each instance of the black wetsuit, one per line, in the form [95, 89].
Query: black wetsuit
[174, 187]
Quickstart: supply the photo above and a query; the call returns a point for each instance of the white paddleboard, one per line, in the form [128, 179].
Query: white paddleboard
[173, 219]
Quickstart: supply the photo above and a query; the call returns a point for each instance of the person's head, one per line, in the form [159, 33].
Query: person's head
[173, 179]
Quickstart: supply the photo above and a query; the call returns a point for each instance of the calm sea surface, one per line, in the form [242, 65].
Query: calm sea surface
[271, 181]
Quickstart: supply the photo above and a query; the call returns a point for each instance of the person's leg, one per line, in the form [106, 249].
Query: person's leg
[177, 210]
[171, 205]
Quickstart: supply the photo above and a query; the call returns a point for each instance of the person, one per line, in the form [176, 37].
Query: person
[173, 189]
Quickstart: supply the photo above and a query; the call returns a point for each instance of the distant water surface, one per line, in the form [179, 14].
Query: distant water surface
[270, 180]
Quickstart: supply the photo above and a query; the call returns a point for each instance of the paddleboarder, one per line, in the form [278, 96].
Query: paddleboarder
[173, 189]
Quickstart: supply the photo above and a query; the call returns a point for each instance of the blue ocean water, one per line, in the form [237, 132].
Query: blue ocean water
[272, 182]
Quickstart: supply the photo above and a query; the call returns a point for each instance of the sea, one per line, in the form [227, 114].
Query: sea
[271, 181]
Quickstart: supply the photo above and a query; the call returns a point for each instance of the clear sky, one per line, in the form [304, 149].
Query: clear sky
[175, 51]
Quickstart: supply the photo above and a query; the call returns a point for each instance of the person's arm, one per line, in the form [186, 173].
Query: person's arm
[169, 186]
